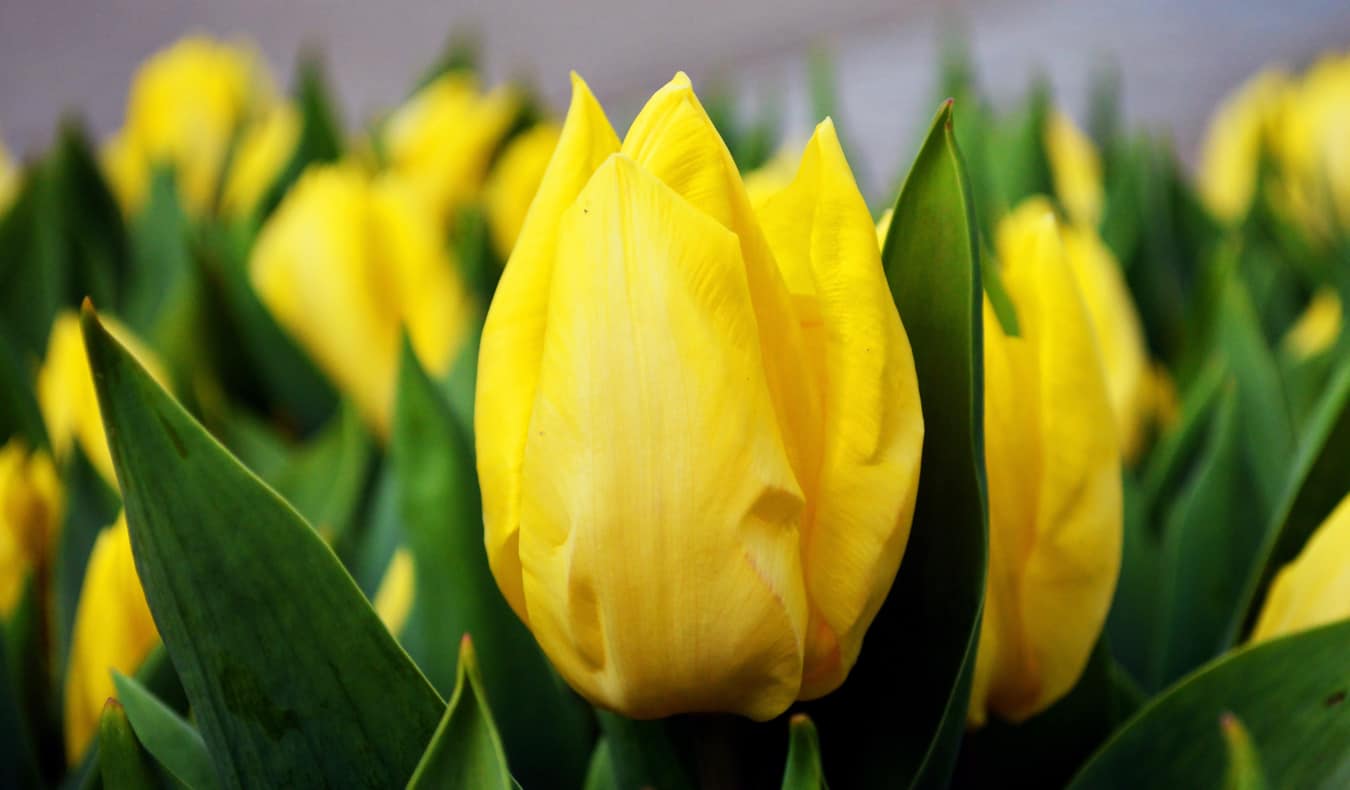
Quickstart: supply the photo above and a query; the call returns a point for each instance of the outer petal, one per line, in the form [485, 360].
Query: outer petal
[659, 534]
[113, 630]
[674, 140]
[1076, 169]
[1055, 498]
[1314, 589]
[819, 228]
[513, 337]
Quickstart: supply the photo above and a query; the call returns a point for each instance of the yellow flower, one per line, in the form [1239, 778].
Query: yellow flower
[184, 108]
[511, 187]
[1119, 333]
[347, 263]
[393, 601]
[65, 390]
[9, 179]
[113, 630]
[773, 176]
[31, 507]
[698, 429]
[1318, 328]
[1311, 142]
[1313, 589]
[263, 150]
[1239, 132]
[1075, 168]
[442, 140]
[1054, 481]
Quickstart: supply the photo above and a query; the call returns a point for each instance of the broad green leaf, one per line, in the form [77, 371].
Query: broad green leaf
[19, 412]
[291, 676]
[1291, 695]
[644, 753]
[600, 774]
[163, 286]
[34, 270]
[96, 236]
[466, 751]
[124, 764]
[1244, 764]
[173, 742]
[898, 718]
[1318, 478]
[547, 731]
[803, 771]
[18, 760]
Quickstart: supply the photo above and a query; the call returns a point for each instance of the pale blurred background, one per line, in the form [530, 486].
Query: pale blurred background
[1176, 59]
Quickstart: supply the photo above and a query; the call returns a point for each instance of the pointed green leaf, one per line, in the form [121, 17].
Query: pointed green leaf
[1291, 695]
[123, 763]
[291, 676]
[547, 731]
[1244, 764]
[600, 775]
[803, 770]
[466, 751]
[898, 718]
[173, 742]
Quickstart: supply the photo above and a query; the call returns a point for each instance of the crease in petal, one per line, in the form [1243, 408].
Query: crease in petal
[824, 241]
[513, 335]
[633, 473]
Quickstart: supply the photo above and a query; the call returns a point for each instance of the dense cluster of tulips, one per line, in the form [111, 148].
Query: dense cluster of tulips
[666, 458]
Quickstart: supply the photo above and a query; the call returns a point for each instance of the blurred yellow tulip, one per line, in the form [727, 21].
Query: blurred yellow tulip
[394, 599]
[1075, 169]
[1318, 328]
[186, 104]
[513, 182]
[31, 507]
[65, 390]
[1312, 145]
[262, 151]
[1240, 131]
[348, 262]
[10, 177]
[113, 630]
[698, 426]
[1053, 466]
[1313, 589]
[442, 141]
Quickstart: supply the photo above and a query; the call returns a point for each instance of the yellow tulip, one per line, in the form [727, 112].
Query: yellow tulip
[1054, 480]
[10, 177]
[1318, 328]
[1117, 329]
[1311, 143]
[347, 263]
[511, 187]
[65, 390]
[31, 505]
[698, 428]
[184, 108]
[394, 599]
[1075, 169]
[1239, 133]
[442, 141]
[773, 176]
[113, 630]
[1313, 589]
[263, 150]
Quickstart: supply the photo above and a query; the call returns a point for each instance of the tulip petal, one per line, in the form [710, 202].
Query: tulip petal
[823, 238]
[1313, 589]
[659, 515]
[513, 336]
[674, 139]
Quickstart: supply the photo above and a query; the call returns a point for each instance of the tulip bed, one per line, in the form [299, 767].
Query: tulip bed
[483, 447]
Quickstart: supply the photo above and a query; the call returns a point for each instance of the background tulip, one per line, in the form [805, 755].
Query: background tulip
[1313, 589]
[347, 262]
[113, 630]
[511, 187]
[9, 178]
[31, 507]
[698, 428]
[1053, 467]
[1075, 168]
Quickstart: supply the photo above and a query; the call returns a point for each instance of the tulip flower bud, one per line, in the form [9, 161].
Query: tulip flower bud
[263, 150]
[1317, 328]
[186, 104]
[31, 507]
[9, 179]
[1075, 168]
[346, 263]
[441, 142]
[1053, 467]
[1240, 132]
[1310, 141]
[113, 630]
[513, 182]
[65, 390]
[698, 428]
[1313, 589]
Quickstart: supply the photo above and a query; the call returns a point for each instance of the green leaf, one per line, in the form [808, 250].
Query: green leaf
[290, 674]
[644, 753]
[1290, 693]
[173, 742]
[19, 412]
[803, 771]
[898, 718]
[1319, 477]
[91, 504]
[547, 731]
[1244, 764]
[465, 752]
[18, 653]
[34, 269]
[123, 763]
[163, 289]
[600, 774]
